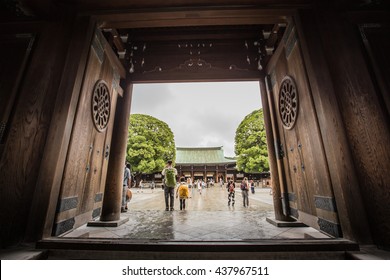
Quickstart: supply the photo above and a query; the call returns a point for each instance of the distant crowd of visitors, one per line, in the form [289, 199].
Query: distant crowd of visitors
[182, 191]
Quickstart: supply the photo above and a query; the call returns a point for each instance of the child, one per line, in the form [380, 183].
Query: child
[183, 193]
[231, 191]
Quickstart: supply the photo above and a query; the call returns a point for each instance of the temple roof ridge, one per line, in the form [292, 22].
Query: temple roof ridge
[201, 148]
[202, 155]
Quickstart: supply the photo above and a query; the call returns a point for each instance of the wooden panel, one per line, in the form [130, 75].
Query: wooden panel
[343, 176]
[48, 183]
[195, 53]
[313, 157]
[278, 73]
[307, 174]
[107, 141]
[296, 181]
[376, 40]
[94, 179]
[265, 91]
[86, 167]
[185, 61]
[80, 147]
[365, 120]
[91, 138]
[312, 162]
[15, 50]
[279, 174]
[23, 148]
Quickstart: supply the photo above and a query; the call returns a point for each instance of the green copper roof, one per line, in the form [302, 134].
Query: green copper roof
[206, 155]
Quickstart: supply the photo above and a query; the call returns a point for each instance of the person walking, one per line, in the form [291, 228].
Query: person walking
[190, 185]
[152, 186]
[252, 187]
[126, 184]
[141, 186]
[231, 192]
[182, 193]
[199, 184]
[221, 182]
[170, 174]
[245, 189]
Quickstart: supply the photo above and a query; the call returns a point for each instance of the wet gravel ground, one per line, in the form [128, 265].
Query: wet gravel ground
[207, 217]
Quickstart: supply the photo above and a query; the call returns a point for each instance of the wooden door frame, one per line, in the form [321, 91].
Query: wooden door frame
[201, 17]
[50, 176]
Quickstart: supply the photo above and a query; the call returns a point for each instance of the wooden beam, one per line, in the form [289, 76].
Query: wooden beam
[116, 39]
[216, 17]
[196, 33]
[115, 61]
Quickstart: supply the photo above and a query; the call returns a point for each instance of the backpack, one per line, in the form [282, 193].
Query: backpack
[170, 177]
[183, 190]
[129, 195]
[243, 186]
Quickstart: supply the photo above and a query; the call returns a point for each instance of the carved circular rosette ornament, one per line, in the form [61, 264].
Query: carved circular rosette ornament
[101, 105]
[288, 102]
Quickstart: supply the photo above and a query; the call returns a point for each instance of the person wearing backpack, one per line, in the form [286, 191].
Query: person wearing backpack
[170, 174]
[245, 189]
[182, 193]
[231, 192]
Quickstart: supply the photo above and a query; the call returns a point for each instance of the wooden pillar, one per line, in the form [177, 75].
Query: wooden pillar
[112, 201]
[276, 190]
[280, 180]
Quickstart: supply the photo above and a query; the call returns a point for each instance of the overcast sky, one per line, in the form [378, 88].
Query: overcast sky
[199, 114]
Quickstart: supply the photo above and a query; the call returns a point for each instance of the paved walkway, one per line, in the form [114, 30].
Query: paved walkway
[207, 217]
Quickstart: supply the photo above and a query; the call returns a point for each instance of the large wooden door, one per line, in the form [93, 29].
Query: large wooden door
[305, 173]
[85, 171]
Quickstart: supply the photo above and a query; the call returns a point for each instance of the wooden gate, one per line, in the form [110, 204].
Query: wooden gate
[84, 176]
[305, 174]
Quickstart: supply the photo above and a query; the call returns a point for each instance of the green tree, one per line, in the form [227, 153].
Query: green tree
[150, 144]
[251, 144]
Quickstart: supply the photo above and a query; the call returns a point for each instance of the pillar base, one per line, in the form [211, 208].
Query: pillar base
[116, 223]
[278, 223]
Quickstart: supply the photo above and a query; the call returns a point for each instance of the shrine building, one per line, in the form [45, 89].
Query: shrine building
[205, 164]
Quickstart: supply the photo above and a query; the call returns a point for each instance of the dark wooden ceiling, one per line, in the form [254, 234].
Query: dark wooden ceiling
[186, 38]
[46, 7]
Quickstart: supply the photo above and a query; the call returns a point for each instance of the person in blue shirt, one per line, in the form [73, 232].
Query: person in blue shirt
[126, 185]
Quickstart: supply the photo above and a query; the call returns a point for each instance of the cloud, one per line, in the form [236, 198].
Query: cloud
[150, 98]
[199, 114]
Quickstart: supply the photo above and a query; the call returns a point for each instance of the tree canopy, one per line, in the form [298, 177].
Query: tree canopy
[150, 144]
[251, 144]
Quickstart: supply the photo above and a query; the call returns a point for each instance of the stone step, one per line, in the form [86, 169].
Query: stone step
[252, 249]
[23, 252]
